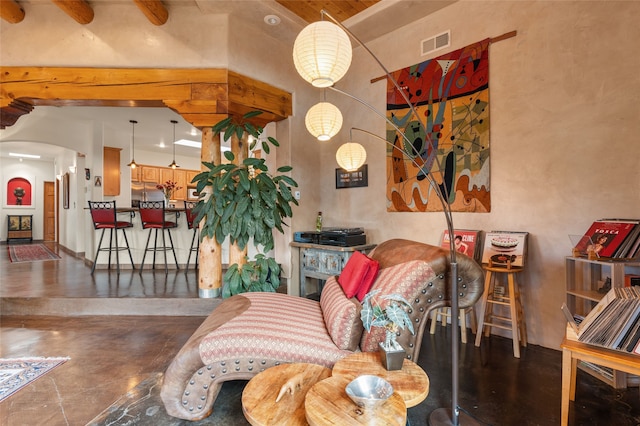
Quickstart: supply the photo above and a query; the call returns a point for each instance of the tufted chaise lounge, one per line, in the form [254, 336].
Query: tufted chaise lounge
[250, 332]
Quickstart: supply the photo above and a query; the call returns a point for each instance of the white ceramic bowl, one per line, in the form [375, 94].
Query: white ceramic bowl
[368, 391]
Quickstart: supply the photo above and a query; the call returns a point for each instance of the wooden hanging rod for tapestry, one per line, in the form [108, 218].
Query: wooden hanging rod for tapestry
[492, 40]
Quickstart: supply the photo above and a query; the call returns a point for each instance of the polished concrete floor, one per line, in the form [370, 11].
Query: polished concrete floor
[112, 354]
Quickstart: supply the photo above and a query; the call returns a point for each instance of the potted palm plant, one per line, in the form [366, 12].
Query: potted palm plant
[247, 203]
[388, 311]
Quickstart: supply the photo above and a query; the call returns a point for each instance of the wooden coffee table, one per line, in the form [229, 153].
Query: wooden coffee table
[259, 396]
[327, 403]
[411, 382]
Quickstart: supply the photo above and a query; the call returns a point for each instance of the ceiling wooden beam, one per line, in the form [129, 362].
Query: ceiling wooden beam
[79, 10]
[310, 10]
[154, 10]
[201, 96]
[11, 11]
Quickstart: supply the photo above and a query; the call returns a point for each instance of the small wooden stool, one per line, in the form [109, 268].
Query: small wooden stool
[496, 295]
[445, 313]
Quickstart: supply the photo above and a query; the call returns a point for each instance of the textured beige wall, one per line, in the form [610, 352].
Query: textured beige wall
[565, 119]
[565, 116]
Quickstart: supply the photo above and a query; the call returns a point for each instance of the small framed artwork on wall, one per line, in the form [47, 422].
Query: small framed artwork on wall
[65, 191]
[358, 178]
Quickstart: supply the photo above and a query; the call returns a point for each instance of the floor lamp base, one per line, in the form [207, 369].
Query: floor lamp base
[443, 417]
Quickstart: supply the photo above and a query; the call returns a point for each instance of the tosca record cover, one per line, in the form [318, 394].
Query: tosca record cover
[605, 237]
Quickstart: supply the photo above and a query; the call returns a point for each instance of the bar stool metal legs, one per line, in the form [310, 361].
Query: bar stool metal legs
[191, 216]
[103, 214]
[196, 248]
[152, 216]
[164, 248]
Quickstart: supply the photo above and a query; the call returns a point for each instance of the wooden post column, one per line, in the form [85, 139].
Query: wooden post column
[210, 254]
[240, 148]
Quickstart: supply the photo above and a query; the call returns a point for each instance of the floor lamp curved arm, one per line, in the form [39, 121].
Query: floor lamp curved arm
[440, 416]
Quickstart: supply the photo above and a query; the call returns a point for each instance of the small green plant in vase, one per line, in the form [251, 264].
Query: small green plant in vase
[388, 311]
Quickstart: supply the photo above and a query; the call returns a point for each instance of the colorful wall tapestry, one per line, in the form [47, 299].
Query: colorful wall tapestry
[451, 97]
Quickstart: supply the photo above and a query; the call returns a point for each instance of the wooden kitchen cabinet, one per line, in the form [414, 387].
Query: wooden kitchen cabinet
[159, 175]
[111, 170]
[150, 174]
[136, 174]
[180, 177]
[166, 174]
[190, 175]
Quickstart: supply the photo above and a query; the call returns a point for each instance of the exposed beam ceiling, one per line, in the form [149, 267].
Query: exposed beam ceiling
[367, 19]
[201, 96]
[157, 13]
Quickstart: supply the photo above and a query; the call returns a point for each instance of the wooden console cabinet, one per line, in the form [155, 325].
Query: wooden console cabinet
[323, 261]
[19, 227]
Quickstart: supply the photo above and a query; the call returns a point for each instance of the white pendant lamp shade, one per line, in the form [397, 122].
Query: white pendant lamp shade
[322, 53]
[323, 120]
[351, 156]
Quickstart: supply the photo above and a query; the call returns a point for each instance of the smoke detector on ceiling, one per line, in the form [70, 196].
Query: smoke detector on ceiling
[437, 42]
[272, 19]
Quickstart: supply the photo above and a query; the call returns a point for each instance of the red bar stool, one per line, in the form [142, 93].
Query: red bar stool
[152, 215]
[103, 214]
[188, 210]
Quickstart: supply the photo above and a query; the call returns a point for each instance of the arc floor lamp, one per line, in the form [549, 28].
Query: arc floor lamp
[322, 55]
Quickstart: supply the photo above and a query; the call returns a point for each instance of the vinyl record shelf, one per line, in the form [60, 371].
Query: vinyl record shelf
[584, 277]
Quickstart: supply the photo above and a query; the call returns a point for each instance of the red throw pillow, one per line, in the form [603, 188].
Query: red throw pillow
[358, 275]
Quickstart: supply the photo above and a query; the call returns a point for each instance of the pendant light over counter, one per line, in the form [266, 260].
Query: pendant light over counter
[173, 164]
[133, 164]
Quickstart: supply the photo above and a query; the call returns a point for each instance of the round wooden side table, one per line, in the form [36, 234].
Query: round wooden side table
[411, 382]
[259, 396]
[327, 403]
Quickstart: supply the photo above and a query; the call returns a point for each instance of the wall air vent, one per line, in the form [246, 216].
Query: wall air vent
[436, 42]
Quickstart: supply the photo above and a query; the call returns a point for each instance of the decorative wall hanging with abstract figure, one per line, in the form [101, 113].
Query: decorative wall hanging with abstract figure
[451, 95]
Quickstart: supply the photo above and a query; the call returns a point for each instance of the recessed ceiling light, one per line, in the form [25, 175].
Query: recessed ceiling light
[186, 142]
[194, 144]
[13, 154]
[272, 19]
